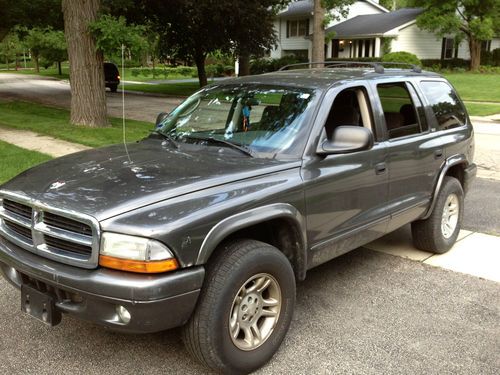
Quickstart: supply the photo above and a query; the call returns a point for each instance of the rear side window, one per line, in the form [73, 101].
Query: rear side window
[400, 113]
[445, 104]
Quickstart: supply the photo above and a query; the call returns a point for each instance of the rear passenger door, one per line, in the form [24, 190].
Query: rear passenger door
[413, 155]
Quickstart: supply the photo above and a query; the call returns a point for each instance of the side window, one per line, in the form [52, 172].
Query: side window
[350, 107]
[445, 104]
[401, 117]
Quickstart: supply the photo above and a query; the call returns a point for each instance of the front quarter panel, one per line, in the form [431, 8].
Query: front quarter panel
[184, 222]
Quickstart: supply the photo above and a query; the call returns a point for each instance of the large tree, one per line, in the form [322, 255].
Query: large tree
[29, 13]
[88, 98]
[472, 20]
[322, 15]
[250, 26]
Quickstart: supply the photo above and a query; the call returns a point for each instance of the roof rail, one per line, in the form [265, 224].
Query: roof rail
[377, 66]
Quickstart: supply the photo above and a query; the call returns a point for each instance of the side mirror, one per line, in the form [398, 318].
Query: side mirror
[161, 116]
[347, 139]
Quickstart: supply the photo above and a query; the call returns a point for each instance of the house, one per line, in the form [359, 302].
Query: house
[367, 31]
[294, 26]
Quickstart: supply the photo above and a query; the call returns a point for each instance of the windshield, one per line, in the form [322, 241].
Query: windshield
[259, 119]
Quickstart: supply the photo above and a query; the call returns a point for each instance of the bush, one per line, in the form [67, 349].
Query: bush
[451, 64]
[259, 66]
[401, 57]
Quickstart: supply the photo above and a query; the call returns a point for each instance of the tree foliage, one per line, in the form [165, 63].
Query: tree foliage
[9, 48]
[472, 20]
[111, 33]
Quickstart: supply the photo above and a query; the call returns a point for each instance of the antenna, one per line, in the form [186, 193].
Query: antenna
[123, 105]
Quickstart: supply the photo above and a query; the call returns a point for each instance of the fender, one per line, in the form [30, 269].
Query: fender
[251, 217]
[450, 162]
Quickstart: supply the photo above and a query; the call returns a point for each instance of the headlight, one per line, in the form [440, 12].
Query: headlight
[135, 254]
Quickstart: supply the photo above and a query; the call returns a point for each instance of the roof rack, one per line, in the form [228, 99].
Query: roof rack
[377, 66]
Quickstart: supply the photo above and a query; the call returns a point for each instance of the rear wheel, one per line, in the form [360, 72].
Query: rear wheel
[439, 232]
[113, 88]
[245, 308]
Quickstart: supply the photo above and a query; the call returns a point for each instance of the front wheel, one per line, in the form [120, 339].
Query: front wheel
[439, 231]
[245, 308]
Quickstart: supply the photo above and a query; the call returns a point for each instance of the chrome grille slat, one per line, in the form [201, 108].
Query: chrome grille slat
[67, 237]
[19, 229]
[64, 234]
[20, 220]
[17, 208]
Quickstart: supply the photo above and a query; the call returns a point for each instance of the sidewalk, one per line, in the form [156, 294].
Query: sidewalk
[41, 143]
[474, 253]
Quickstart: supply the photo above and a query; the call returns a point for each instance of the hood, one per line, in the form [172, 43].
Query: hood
[106, 182]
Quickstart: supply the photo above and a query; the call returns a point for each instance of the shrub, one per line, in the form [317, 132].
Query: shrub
[496, 57]
[401, 57]
[135, 72]
[259, 66]
[438, 64]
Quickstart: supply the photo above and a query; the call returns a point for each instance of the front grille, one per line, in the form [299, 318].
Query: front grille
[69, 238]
[66, 223]
[17, 208]
[62, 245]
[19, 229]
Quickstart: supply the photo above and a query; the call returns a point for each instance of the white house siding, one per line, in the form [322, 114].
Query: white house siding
[495, 43]
[419, 42]
[358, 8]
[424, 44]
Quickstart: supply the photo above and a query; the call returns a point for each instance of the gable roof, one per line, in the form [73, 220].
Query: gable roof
[374, 24]
[306, 7]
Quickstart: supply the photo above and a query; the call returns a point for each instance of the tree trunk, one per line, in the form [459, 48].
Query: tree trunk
[199, 59]
[37, 63]
[318, 43]
[475, 53]
[88, 95]
[59, 68]
[244, 61]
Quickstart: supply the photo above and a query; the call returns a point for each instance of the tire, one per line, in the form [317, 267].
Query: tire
[431, 234]
[207, 334]
[113, 88]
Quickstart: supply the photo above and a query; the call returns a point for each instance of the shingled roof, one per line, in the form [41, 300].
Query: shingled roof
[374, 24]
[306, 7]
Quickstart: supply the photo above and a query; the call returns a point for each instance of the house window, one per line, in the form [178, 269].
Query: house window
[297, 28]
[448, 48]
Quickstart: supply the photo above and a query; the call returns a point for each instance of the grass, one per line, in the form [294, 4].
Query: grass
[476, 86]
[475, 109]
[15, 160]
[176, 89]
[55, 122]
[49, 72]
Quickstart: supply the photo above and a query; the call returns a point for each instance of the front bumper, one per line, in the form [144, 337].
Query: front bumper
[155, 302]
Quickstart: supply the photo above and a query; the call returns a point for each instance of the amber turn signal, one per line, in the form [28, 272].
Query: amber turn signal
[138, 266]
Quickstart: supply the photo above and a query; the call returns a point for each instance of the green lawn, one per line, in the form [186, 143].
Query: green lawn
[475, 109]
[15, 160]
[176, 89]
[55, 122]
[50, 72]
[476, 86]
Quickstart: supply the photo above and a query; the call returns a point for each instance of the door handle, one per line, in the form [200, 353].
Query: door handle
[380, 168]
[438, 154]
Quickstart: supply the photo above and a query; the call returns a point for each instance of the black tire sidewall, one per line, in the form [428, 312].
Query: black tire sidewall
[451, 186]
[267, 261]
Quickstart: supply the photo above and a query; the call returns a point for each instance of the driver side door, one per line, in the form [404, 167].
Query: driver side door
[346, 195]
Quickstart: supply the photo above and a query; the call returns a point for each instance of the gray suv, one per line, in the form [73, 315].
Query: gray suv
[210, 221]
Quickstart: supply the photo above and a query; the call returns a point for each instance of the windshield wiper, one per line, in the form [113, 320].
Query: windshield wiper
[167, 137]
[235, 146]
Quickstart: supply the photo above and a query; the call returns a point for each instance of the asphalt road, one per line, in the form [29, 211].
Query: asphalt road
[482, 207]
[363, 313]
[57, 93]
